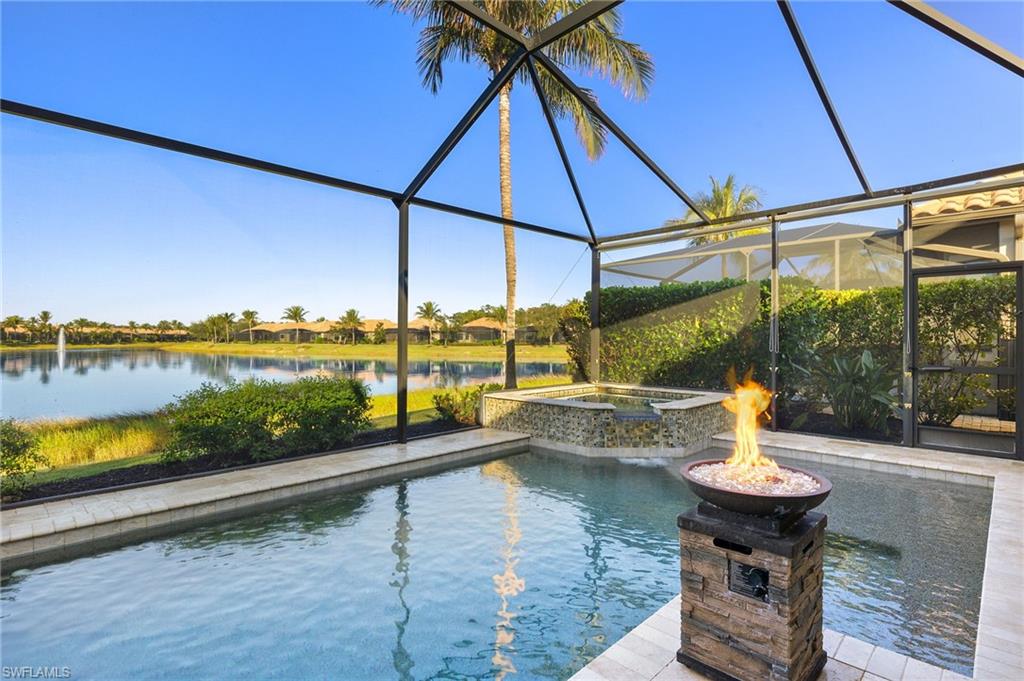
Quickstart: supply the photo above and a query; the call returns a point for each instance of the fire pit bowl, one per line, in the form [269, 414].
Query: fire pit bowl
[755, 503]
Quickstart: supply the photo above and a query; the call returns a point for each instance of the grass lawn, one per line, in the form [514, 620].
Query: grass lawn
[81, 447]
[418, 351]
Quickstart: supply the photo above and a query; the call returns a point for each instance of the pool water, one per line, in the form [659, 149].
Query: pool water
[629, 405]
[526, 567]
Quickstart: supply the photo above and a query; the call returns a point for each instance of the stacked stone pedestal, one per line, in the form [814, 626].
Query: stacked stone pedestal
[751, 596]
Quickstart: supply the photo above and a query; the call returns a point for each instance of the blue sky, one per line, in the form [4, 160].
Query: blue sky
[105, 229]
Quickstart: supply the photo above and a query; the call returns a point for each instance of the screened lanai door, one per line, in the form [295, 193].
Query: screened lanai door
[967, 350]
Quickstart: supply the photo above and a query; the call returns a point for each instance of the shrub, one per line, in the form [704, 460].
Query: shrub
[462, 405]
[689, 335]
[262, 420]
[19, 458]
[861, 391]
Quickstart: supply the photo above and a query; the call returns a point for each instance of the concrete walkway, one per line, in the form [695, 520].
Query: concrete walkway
[55, 529]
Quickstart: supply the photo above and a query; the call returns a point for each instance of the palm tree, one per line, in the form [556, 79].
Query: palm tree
[351, 321]
[45, 328]
[79, 325]
[11, 323]
[250, 318]
[430, 312]
[297, 314]
[724, 201]
[596, 47]
[227, 319]
[132, 326]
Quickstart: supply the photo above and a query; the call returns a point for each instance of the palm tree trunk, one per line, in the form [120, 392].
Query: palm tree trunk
[505, 173]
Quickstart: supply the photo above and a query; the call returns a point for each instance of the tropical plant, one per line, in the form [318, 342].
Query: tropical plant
[133, 326]
[431, 313]
[19, 458]
[297, 314]
[351, 322]
[861, 392]
[226, 319]
[595, 47]
[45, 325]
[11, 323]
[250, 318]
[725, 200]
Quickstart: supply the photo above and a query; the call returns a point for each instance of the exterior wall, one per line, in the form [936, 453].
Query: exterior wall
[686, 423]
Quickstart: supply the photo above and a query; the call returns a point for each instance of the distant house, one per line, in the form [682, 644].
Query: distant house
[484, 329]
[480, 330]
[329, 332]
[286, 332]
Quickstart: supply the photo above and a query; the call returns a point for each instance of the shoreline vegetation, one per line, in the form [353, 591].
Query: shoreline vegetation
[417, 352]
[75, 448]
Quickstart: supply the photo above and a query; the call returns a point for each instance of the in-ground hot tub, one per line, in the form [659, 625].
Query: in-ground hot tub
[611, 419]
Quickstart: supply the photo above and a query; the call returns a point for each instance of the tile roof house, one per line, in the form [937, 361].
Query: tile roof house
[973, 227]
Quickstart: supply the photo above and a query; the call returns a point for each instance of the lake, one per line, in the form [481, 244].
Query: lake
[111, 381]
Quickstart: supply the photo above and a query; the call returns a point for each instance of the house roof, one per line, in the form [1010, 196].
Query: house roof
[485, 323]
[1011, 198]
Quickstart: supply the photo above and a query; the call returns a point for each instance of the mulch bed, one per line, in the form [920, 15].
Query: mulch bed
[155, 472]
[825, 424]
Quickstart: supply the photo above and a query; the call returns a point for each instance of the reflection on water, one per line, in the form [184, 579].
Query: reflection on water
[578, 551]
[110, 381]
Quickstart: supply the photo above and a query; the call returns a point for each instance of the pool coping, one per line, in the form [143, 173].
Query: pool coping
[643, 655]
[56, 530]
[688, 399]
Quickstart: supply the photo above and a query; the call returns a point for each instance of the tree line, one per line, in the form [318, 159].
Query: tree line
[228, 326]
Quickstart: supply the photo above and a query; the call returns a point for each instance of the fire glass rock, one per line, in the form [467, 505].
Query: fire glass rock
[755, 502]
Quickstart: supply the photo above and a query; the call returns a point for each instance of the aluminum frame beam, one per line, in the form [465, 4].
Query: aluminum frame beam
[819, 86]
[546, 107]
[490, 21]
[567, 83]
[739, 220]
[924, 12]
[129, 135]
[465, 123]
[570, 22]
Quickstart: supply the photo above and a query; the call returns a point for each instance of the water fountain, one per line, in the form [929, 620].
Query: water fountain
[60, 348]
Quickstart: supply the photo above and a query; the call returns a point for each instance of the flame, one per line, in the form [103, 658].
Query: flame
[749, 401]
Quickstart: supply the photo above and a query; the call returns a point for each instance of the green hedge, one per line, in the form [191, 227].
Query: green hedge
[260, 420]
[689, 335]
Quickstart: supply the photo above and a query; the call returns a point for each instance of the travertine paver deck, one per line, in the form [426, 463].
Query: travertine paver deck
[51, 529]
[999, 653]
[648, 653]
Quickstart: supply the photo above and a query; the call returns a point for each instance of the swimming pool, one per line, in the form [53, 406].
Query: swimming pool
[527, 566]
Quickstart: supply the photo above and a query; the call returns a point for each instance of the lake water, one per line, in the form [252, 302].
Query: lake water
[112, 381]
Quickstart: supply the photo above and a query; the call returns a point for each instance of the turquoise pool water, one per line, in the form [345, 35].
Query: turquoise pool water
[526, 567]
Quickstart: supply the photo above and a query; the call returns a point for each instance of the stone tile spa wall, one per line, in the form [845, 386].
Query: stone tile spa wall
[686, 420]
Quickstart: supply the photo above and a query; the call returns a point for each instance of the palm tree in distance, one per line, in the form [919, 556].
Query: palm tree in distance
[297, 314]
[352, 322]
[596, 47]
[227, 319]
[45, 327]
[11, 323]
[132, 328]
[250, 318]
[431, 313]
[725, 200]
